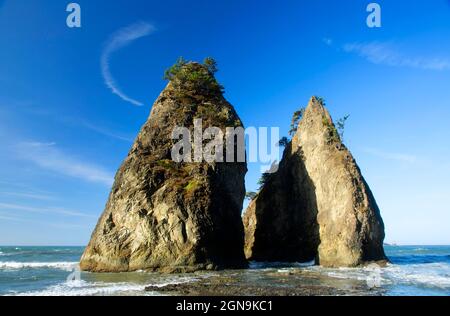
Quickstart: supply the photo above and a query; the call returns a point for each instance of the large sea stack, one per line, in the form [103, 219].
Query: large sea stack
[169, 216]
[318, 205]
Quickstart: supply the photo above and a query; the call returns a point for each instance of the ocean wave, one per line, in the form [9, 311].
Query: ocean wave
[180, 280]
[12, 265]
[18, 253]
[84, 288]
[39, 253]
[430, 275]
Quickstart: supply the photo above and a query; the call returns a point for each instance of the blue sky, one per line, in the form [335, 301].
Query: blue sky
[72, 100]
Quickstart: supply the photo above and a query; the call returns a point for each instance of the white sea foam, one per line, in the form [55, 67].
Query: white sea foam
[180, 281]
[12, 265]
[84, 288]
[10, 254]
[431, 275]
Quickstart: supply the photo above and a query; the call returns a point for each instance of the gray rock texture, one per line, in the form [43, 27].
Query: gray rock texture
[318, 205]
[168, 216]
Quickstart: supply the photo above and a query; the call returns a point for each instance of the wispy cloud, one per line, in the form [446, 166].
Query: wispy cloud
[106, 132]
[30, 108]
[387, 54]
[399, 157]
[42, 210]
[118, 40]
[8, 217]
[60, 225]
[47, 156]
[29, 195]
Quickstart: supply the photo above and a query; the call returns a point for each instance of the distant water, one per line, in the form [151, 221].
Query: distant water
[415, 270]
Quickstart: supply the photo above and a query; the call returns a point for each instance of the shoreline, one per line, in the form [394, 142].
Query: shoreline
[269, 282]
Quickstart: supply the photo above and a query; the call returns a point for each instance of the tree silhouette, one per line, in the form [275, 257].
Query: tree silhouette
[295, 120]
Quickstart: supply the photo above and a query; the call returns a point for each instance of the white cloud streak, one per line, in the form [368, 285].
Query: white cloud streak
[105, 132]
[29, 195]
[7, 217]
[42, 210]
[386, 54]
[47, 156]
[118, 40]
[399, 157]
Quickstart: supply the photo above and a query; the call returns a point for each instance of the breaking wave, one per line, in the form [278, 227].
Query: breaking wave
[431, 275]
[84, 288]
[12, 265]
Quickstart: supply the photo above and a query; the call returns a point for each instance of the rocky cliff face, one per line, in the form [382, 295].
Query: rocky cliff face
[168, 216]
[318, 205]
[277, 228]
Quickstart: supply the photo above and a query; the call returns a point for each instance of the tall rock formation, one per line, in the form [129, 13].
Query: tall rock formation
[277, 226]
[168, 216]
[317, 205]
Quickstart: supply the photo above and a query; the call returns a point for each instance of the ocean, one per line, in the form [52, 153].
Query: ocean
[52, 271]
